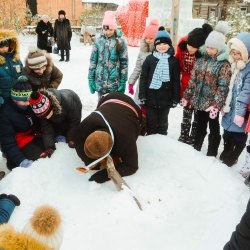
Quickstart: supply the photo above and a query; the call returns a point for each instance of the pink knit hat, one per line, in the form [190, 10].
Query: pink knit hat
[109, 21]
[152, 28]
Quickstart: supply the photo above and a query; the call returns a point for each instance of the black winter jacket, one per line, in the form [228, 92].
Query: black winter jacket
[15, 120]
[168, 93]
[67, 108]
[240, 239]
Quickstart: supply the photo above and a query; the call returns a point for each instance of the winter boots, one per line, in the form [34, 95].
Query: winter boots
[228, 144]
[191, 138]
[2, 174]
[185, 127]
[213, 145]
[199, 141]
[245, 170]
[234, 154]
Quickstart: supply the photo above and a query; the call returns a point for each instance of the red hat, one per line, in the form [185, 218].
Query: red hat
[109, 21]
[152, 28]
[40, 104]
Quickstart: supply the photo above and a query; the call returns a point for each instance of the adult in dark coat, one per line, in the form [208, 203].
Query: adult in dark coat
[124, 117]
[240, 239]
[40, 70]
[19, 128]
[60, 112]
[44, 31]
[63, 34]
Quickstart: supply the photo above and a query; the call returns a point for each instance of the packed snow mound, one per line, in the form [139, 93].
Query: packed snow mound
[189, 201]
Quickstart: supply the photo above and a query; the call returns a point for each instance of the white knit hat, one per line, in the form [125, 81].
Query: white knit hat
[36, 57]
[216, 39]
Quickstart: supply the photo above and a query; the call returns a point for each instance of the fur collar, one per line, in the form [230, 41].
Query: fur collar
[145, 48]
[14, 46]
[222, 55]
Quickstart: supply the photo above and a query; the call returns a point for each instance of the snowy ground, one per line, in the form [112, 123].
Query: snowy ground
[190, 201]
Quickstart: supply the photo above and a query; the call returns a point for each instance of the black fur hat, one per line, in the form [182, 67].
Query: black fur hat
[197, 37]
[61, 12]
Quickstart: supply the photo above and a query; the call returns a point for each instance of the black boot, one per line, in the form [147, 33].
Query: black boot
[191, 138]
[213, 145]
[199, 141]
[228, 145]
[67, 56]
[185, 127]
[62, 55]
[234, 154]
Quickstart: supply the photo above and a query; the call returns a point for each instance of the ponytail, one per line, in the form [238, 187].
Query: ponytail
[118, 47]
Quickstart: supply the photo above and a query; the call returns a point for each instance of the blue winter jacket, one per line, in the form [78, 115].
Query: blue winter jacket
[108, 68]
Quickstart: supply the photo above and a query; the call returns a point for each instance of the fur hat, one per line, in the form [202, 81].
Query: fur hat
[216, 39]
[61, 12]
[36, 57]
[197, 36]
[152, 28]
[98, 144]
[109, 21]
[40, 104]
[21, 90]
[162, 36]
[45, 225]
[4, 43]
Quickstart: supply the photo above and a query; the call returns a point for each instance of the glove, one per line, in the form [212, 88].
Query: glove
[48, 152]
[71, 144]
[92, 86]
[1, 101]
[174, 104]
[184, 102]
[122, 86]
[100, 176]
[131, 89]
[142, 102]
[26, 163]
[60, 138]
[239, 120]
[213, 111]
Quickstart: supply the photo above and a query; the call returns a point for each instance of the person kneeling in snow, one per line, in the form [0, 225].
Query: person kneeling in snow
[112, 128]
[60, 112]
[19, 136]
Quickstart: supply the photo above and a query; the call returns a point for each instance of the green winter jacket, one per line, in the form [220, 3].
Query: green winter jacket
[108, 68]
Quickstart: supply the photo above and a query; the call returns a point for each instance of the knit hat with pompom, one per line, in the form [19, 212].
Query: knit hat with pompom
[217, 38]
[45, 225]
[162, 36]
[152, 28]
[36, 57]
[21, 90]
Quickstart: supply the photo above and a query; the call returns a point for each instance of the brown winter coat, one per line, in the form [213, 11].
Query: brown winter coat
[51, 77]
[125, 126]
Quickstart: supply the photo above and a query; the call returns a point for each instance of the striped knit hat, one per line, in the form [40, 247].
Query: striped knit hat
[36, 57]
[40, 104]
[21, 90]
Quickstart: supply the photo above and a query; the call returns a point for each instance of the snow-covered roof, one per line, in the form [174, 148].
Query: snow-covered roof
[118, 2]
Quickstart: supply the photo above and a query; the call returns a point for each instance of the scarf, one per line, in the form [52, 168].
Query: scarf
[161, 73]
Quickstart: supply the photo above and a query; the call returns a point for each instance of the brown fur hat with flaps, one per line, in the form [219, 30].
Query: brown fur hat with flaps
[14, 46]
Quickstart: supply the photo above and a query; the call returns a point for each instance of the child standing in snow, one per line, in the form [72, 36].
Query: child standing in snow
[159, 85]
[234, 120]
[108, 70]
[208, 88]
[187, 52]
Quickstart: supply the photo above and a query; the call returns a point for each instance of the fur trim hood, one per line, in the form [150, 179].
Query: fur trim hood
[144, 47]
[48, 69]
[14, 44]
[56, 107]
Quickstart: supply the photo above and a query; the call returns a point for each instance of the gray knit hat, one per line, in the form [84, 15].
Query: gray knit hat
[36, 57]
[216, 39]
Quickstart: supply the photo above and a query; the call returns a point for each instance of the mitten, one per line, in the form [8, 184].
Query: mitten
[26, 163]
[71, 144]
[131, 89]
[100, 176]
[213, 111]
[239, 120]
[184, 102]
[48, 152]
[122, 86]
[174, 104]
[60, 138]
[92, 86]
[14, 199]
[1, 101]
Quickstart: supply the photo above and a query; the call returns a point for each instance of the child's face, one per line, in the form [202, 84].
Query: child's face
[149, 40]
[22, 103]
[211, 51]
[162, 47]
[4, 49]
[40, 70]
[109, 33]
[191, 50]
[236, 54]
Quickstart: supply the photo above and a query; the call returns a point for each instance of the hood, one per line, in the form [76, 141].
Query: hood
[14, 44]
[144, 47]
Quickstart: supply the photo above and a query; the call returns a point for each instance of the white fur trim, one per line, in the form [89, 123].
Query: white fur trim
[242, 48]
